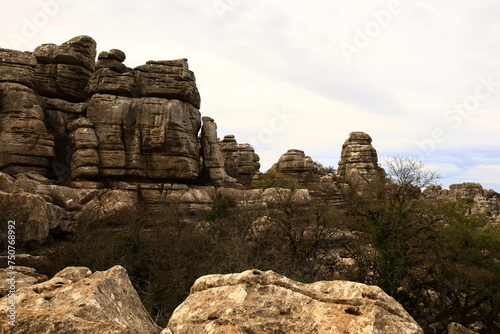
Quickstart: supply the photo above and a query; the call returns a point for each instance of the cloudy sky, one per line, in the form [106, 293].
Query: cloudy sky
[421, 77]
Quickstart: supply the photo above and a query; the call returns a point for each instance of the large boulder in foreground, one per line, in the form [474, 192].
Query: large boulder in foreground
[265, 302]
[77, 301]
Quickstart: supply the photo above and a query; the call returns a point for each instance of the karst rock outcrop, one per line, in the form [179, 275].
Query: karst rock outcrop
[265, 302]
[67, 116]
[76, 300]
[358, 163]
[25, 144]
[38, 206]
[240, 160]
[296, 164]
[484, 201]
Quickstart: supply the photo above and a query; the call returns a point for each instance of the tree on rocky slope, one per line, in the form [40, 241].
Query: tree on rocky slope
[432, 256]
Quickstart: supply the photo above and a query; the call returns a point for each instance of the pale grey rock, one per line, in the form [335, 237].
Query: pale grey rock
[266, 302]
[455, 328]
[75, 301]
[24, 276]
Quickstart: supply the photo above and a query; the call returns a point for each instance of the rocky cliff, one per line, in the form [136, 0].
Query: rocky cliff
[67, 116]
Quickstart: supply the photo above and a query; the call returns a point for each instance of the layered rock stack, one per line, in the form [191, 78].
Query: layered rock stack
[358, 165]
[25, 144]
[146, 119]
[109, 122]
[85, 159]
[63, 71]
[240, 160]
[296, 164]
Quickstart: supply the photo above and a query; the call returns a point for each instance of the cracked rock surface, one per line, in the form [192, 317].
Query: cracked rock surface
[265, 302]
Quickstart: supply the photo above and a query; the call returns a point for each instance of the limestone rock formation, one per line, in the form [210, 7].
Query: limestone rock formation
[213, 161]
[240, 160]
[64, 71]
[24, 276]
[455, 328]
[358, 163]
[145, 138]
[17, 67]
[483, 200]
[25, 144]
[109, 207]
[265, 302]
[77, 301]
[37, 206]
[32, 262]
[33, 216]
[169, 79]
[296, 164]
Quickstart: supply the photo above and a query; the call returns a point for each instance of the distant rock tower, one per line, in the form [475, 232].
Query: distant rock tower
[296, 164]
[240, 160]
[359, 162]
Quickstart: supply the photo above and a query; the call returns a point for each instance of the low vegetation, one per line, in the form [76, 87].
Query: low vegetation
[438, 260]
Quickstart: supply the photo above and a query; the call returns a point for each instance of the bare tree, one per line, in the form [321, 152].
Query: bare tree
[405, 171]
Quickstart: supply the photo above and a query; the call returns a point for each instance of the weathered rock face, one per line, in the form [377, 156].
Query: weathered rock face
[146, 122]
[213, 161]
[240, 160]
[296, 164]
[33, 216]
[168, 79]
[144, 138]
[483, 201]
[37, 206]
[109, 207]
[108, 121]
[24, 276]
[63, 71]
[77, 301]
[17, 67]
[359, 162]
[265, 302]
[25, 144]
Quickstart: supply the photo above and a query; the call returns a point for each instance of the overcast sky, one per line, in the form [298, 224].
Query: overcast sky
[421, 77]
